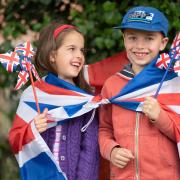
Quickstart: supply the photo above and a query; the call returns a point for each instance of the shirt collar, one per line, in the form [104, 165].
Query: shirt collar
[127, 72]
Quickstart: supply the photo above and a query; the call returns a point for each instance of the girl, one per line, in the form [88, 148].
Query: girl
[60, 52]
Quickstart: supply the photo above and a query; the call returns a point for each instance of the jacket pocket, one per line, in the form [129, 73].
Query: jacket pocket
[168, 151]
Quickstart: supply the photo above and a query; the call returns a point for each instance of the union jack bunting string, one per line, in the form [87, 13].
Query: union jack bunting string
[21, 60]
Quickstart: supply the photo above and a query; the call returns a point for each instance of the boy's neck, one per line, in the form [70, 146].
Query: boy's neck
[137, 69]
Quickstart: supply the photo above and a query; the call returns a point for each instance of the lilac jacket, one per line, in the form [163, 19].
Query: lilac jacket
[79, 151]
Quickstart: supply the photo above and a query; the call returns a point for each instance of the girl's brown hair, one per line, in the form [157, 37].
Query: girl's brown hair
[47, 44]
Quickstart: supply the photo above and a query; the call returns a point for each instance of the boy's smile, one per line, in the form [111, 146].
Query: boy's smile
[142, 47]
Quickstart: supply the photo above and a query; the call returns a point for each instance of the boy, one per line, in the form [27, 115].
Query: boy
[133, 142]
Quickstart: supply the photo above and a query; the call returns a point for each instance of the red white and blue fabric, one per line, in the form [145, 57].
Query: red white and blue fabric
[65, 101]
[69, 101]
[32, 153]
[19, 60]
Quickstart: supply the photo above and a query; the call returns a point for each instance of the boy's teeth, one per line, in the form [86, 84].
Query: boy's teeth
[140, 54]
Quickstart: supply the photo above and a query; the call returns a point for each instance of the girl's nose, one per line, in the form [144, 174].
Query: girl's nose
[79, 54]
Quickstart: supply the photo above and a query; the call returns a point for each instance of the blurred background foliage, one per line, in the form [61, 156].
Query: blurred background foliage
[21, 20]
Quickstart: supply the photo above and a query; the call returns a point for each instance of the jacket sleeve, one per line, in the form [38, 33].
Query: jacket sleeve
[106, 133]
[88, 166]
[167, 122]
[104, 69]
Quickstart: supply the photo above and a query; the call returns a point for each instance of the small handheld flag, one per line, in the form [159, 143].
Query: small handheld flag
[21, 60]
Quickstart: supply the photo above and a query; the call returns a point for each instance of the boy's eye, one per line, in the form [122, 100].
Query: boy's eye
[149, 38]
[132, 38]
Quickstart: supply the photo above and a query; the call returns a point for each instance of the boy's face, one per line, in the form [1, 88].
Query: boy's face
[142, 47]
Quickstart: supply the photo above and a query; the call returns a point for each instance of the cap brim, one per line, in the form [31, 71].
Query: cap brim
[143, 28]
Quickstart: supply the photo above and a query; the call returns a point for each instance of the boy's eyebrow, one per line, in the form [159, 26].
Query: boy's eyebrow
[151, 34]
[148, 34]
[130, 33]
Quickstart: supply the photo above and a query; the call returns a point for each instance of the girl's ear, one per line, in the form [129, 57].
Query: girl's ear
[52, 57]
[164, 43]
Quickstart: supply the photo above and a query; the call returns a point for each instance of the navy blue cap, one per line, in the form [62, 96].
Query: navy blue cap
[145, 18]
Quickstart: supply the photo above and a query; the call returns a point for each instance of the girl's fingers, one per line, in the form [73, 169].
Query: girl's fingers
[41, 125]
[45, 111]
[41, 130]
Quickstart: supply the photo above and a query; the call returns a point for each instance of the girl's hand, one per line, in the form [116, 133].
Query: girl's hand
[121, 156]
[151, 108]
[41, 121]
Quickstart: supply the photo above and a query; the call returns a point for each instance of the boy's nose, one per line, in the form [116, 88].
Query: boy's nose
[140, 44]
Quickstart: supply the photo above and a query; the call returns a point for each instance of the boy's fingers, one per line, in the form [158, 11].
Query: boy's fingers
[122, 163]
[128, 154]
[122, 158]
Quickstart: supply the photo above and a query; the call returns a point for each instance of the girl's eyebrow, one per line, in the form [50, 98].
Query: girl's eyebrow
[71, 45]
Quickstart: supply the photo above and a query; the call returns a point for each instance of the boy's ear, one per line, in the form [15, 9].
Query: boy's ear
[164, 43]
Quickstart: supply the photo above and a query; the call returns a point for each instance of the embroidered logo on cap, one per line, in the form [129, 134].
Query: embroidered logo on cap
[141, 16]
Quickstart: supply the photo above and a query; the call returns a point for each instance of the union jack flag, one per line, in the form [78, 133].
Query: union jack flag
[26, 49]
[23, 77]
[9, 61]
[173, 58]
[20, 60]
[31, 151]
[65, 101]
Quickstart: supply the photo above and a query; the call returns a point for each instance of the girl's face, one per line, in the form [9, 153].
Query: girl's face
[142, 47]
[69, 59]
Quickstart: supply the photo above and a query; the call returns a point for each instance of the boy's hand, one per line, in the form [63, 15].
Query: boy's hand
[151, 108]
[41, 121]
[121, 156]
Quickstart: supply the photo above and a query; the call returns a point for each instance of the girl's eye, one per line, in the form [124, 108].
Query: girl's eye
[83, 50]
[72, 48]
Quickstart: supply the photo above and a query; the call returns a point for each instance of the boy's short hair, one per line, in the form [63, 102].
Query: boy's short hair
[145, 18]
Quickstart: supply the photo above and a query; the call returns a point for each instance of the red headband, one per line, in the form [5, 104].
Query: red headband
[61, 28]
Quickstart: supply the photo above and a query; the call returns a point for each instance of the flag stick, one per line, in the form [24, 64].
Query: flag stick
[165, 74]
[33, 87]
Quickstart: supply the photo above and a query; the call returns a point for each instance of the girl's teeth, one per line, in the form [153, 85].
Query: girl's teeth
[75, 64]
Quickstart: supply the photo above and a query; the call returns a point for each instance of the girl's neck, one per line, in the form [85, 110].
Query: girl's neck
[67, 80]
